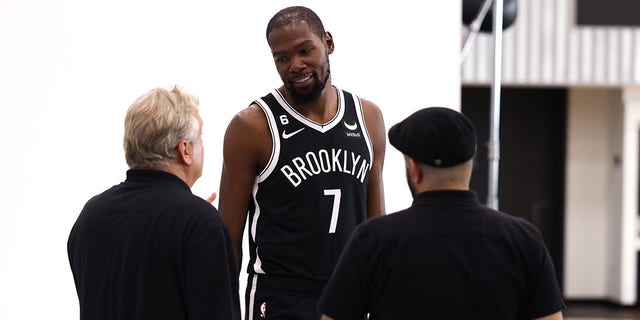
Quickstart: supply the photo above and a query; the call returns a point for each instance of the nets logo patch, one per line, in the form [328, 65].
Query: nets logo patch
[351, 127]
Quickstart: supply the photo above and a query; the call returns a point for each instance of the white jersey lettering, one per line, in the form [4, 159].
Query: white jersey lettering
[335, 155]
[321, 162]
[293, 177]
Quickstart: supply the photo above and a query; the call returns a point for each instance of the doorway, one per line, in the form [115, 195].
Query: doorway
[532, 157]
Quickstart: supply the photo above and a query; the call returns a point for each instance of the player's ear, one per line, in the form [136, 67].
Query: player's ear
[328, 40]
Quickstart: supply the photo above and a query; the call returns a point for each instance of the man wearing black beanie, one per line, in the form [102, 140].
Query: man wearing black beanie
[447, 256]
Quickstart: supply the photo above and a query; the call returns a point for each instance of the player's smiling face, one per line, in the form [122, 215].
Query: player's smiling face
[302, 60]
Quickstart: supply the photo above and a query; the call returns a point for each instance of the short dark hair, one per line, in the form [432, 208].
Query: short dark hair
[294, 14]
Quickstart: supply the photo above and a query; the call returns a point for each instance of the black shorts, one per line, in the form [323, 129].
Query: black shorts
[274, 299]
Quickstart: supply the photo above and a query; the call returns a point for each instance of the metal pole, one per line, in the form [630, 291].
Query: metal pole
[493, 153]
[473, 29]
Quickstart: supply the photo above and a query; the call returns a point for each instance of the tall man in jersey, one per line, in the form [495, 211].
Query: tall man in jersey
[303, 165]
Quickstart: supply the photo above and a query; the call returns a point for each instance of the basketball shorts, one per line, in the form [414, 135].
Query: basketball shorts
[281, 299]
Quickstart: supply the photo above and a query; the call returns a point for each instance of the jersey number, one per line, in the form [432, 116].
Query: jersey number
[336, 193]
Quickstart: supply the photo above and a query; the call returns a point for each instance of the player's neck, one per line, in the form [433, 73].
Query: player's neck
[320, 110]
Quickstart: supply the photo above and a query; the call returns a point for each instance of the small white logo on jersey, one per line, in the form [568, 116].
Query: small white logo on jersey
[286, 135]
[350, 126]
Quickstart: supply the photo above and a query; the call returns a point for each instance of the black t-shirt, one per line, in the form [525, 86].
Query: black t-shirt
[150, 249]
[446, 257]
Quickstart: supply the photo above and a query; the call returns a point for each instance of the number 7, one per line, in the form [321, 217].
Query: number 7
[336, 193]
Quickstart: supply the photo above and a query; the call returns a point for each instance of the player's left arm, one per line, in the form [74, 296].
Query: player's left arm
[375, 126]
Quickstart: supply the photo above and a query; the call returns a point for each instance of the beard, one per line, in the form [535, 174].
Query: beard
[316, 90]
[411, 187]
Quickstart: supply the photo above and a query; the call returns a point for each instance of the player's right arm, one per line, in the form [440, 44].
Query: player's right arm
[246, 150]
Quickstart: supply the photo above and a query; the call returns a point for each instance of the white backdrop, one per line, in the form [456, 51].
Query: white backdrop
[70, 68]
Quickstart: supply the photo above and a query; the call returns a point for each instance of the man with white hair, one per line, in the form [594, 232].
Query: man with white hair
[148, 248]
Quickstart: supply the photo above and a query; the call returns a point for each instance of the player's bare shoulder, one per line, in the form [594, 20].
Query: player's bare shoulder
[248, 133]
[373, 119]
[370, 109]
[251, 117]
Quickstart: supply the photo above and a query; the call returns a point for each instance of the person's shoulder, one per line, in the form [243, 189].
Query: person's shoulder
[245, 126]
[102, 198]
[374, 121]
[516, 221]
[386, 225]
[199, 220]
[201, 205]
[248, 116]
[367, 105]
[370, 109]
[521, 227]
[200, 212]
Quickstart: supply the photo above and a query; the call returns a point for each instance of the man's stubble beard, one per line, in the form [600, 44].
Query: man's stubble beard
[315, 92]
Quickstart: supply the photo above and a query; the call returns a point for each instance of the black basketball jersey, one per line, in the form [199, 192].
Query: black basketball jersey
[312, 193]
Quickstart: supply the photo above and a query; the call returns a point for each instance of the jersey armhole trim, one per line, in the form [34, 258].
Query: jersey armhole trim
[363, 125]
[275, 149]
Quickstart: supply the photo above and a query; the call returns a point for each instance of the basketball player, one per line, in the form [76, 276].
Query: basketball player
[304, 165]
